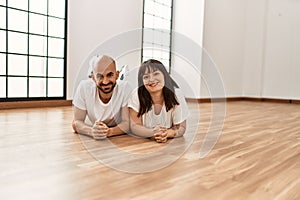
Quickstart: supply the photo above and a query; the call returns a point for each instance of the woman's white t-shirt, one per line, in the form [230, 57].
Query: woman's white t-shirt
[174, 116]
[87, 98]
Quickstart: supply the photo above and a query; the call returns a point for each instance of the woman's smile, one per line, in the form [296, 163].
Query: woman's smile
[153, 84]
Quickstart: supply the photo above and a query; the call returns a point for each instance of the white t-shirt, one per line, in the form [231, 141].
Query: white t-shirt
[87, 98]
[174, 116]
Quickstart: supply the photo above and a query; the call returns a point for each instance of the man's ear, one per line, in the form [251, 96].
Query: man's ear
[117, 74]
[92, 76]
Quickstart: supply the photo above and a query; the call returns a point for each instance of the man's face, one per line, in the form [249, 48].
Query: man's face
[105, 76]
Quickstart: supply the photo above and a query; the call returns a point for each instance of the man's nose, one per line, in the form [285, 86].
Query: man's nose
[105, 80]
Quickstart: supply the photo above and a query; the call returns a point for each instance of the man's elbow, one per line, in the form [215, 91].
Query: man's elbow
[74, 126]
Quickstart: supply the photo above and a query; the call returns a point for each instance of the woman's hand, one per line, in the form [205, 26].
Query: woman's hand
[160, 134]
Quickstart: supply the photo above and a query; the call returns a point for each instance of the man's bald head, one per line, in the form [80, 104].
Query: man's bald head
[101, 63]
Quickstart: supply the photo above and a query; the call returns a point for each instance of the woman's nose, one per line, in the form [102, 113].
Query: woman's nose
[151, 78]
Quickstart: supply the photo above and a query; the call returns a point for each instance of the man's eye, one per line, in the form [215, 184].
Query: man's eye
[99, 76]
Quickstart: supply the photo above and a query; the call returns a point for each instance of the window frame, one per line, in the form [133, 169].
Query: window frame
[159, 30]
[45, 36]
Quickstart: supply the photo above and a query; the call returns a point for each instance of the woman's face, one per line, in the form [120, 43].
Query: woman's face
[153, 80]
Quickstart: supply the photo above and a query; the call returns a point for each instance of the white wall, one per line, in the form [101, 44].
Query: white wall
[187, 38]
[272, 61]
[254, 43]
[282, 50]
[91, 23]
[224, 39]
[254, 48]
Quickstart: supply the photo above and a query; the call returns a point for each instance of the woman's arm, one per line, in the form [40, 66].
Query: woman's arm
[177, 130]
[137, 127]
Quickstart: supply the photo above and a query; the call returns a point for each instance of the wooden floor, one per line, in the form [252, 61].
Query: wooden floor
[257, 156]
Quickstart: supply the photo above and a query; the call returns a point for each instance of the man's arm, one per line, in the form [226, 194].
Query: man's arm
[97, 131]
[78, 122]
[123, 127]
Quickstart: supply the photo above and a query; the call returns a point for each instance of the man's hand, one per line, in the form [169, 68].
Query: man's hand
[100, 131]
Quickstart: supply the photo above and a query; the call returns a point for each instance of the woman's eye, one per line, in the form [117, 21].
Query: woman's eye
[156, 73]
[145, 77]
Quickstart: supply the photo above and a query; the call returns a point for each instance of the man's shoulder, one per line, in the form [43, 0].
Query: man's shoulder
[124, 86]
[87, 83]
[86, 87]
[83, 94]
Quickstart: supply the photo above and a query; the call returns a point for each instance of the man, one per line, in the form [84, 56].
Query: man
[103, 100]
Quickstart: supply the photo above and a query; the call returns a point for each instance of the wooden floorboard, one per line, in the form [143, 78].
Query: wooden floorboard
[257, 156]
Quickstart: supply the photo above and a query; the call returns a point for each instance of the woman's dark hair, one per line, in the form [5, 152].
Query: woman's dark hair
[168, 89]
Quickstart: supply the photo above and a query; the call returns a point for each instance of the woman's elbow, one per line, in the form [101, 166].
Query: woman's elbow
[126, 127]
[132, 128]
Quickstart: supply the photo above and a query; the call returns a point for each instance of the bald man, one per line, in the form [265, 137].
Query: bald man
[103, 101]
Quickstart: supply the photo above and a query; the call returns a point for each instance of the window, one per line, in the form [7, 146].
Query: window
[157, 27]
[32, 49]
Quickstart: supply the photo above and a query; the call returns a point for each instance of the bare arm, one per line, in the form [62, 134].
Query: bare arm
[123, 127]
[78, 122]
[137, 127]
[176, 130]
[99, 130]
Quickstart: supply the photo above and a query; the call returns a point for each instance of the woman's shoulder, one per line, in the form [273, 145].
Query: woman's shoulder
[133, 101]
[134, 93]
[179, 93]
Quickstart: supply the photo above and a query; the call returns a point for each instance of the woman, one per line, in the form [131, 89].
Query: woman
[157, 108]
